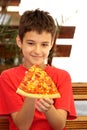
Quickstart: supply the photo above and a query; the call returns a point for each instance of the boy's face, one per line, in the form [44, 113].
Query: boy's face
[35, 47]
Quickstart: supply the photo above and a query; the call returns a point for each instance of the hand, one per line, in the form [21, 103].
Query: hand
[43, 105]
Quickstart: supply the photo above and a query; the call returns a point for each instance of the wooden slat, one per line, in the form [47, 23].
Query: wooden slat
[79, 91]
[66, 32]
[80, 123]
[62, 51]
[80, 97]
[4, 124]
[10, 2]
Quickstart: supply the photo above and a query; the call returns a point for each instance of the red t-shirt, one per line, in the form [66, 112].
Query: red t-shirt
[11, 102]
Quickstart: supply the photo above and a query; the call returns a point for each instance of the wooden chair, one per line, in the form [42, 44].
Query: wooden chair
[80, 94]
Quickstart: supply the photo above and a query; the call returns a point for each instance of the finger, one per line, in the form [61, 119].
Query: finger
[40, 107]
[45, 103]
[49, 101]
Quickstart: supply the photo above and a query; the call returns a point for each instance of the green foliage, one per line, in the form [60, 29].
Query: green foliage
[8, 34]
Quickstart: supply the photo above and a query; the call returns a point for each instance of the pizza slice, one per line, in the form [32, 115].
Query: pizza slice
[37, 84]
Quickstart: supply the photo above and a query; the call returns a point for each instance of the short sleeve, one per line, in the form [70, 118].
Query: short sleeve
[66, 101]
[10, 101]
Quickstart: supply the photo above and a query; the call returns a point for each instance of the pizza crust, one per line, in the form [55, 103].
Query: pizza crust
[21, 92]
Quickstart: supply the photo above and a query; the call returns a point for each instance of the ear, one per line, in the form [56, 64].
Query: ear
[18, 40]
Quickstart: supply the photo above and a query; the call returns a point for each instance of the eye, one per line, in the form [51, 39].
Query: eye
[45, 44]
[30, 43]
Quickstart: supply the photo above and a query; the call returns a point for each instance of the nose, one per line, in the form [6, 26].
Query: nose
[37, 49]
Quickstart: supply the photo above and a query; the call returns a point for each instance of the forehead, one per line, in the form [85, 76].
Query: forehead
[34, 35]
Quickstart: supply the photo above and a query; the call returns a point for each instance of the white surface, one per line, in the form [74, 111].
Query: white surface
[77, 69]
[81, 107]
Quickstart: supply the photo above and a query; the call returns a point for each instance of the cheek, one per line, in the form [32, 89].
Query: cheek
[46, 53]
[25, 51]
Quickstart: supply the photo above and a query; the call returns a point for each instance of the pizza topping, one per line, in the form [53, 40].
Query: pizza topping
[36, 81]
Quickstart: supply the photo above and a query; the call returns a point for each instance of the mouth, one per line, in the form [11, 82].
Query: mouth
[36, 56]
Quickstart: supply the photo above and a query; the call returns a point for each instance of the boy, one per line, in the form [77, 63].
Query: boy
[36, 36]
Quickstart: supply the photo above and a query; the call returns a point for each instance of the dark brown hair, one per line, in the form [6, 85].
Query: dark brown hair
[36, 20]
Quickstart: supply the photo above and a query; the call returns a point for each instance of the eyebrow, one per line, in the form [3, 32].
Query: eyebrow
[35, 41]
[30, 40]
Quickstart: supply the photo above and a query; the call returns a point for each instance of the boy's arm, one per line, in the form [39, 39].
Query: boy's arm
[24, 117]
[56, 117]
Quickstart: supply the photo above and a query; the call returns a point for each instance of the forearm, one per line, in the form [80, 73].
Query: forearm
[56, 118]
[24, 117]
